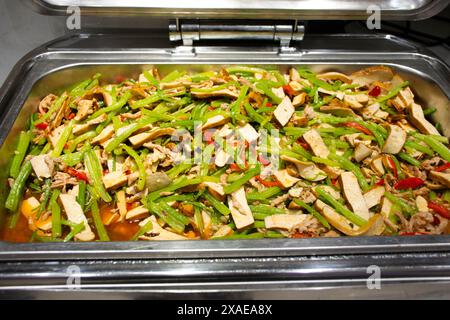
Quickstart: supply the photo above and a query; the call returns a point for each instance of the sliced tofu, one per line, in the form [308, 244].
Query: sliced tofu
[158, 232]
[42, 165]
[380, 114]
[352, 102]
[377, 166]
[114, 180]
[284, 178]
[284, 111]
[386, 206]
[279, 92]
[248, 133]
[137, 213]
[56, 135]
[217, 93]
[121, 204]
[395, 140]
[284, 221]
[75, 214]
[362, 151]
[141, 138]
[294, 75]
[215, 122]
[417, 117]
[351, 138]
[299, 99]
[441, 177]
[370, 110]
[315, 141]
[215, 187]
[222, 158]
[333, 76]
[98, 120]
[353, 195]
[339, 94]
[240, 211]
[422, 204]
[403, 100]
[81, 128]
[373, 196]
[222, 232]
[307, 170]
[332, 192]
[105, 135]
[85, 107]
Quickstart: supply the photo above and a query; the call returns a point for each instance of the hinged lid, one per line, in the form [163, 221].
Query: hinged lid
[250, 9]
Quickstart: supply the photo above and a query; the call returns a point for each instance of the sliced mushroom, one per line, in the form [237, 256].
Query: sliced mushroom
[315, 141]
[353, 194]
[395, 140]
[375, 226]
[156, 181]
[284, 111]
[369, 75]
[157, 232]
[373, 196]
[362, 151]
[352, 102]
[284, 221]
[284, 178]
[333, 76]
[340, 95]
[441, 177]
[75, 214]
[240, 211]
[417, 118]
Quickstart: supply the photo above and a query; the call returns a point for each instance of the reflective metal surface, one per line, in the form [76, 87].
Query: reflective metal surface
[255, 268]
[262, 9]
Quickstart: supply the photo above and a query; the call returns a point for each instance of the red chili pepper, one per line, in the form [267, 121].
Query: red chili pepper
[380, 182]
[393, 167]
[77, 174]
[407, 183]
[443, 167]
[268, 104]
[71, 116]
[267, 183]
[41, 126]
[334, 182]
[375, 92]
[263, 160]
[234, 166]
[119, 79]
[211, 108]
[288, 90]
[357, 126]
[440, 210]
[303, 143]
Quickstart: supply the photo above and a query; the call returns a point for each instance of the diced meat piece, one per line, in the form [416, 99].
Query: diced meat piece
[285, 179]
[353, 195]
[42, 165]
[56, 134]
[222, 232]
[377, 166]
[215, 187]
[315, 141]
[333, 76]
[46, 103]
[395, 141]
[240, 211]
[284, 221]
[373, 197]
[215, 122]
[222, 158]
[114, 180]
[121, 204]
[249, 133]
[284, 111]
[299, 99]
[159, 233]
[85, 108]
[362, 151]
[377, 73]
[441, 177]
[75, 214]
[417, 118]
[137, 213]
[106, 134]
[279, 92]
[422, 204]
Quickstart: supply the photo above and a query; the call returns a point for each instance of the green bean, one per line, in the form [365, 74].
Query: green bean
[178, 184]
[167, 215]
[350, 166]
[19, 155]
[313, 212]
[172, 76]
[101, 231]
[150, 78]
[155, 98]
[268, 92]
[16, 192]
[263, 195]
[62, 140]
[235, 108]
[255, 116]
[400, 173]
[94, 169]
[409, 159]
[244, 69]
[175, 171]
[56, 214]
[241, 181]
[114, 107]
[126, 133]
[81, 197]
[399, 202]
[340, 208]
[418, 147]
[325, 161]
[266, 210]
[219, 206]
[140, 165]
[437, 146]
[85, 136]
[72, 159]
[429, 111]
[47, 192]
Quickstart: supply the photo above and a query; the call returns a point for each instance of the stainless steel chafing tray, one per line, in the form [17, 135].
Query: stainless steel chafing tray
[275, 268]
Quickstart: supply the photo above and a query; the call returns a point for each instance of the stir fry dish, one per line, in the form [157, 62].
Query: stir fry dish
[238, 153]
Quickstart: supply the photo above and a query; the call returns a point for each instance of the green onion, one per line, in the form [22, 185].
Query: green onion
[95, 172]
[219, 206]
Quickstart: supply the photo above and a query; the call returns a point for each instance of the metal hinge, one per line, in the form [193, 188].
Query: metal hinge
[189, 31]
